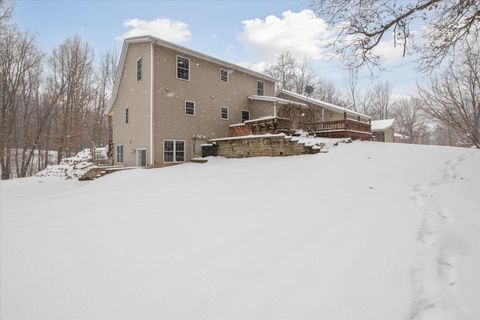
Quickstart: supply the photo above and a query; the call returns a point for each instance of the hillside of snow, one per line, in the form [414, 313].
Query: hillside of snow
[367, 231]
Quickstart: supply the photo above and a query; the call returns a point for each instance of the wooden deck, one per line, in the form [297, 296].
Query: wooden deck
[344, 128]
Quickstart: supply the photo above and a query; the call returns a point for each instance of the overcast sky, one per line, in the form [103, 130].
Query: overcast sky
[249, 33]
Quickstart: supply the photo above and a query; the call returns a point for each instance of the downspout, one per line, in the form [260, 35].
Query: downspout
[151, 104]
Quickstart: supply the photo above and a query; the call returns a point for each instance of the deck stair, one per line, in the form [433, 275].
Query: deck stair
[96, 172]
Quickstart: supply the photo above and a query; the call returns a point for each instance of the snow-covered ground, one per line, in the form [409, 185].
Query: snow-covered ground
[366, 231]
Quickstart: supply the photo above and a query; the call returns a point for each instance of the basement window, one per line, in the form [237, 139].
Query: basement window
[173, 151]
[139, 69]
[260, 88]
[119, 153]
[224, 113]
[189, 108]
[245, 115]
[224, 75]
[183, 68]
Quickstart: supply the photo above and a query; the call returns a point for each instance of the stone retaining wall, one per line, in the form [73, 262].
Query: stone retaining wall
[260, 146]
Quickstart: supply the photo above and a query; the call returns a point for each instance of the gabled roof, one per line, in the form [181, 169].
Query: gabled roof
[326, 105]
[382, 125]
[179, 49]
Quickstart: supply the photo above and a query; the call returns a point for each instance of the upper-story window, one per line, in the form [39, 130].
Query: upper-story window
[224, 75]
[260, 88]
[139, 69]
[126, 115]
[190, 108]
[183, 68]
[224, 113]
[245, 115]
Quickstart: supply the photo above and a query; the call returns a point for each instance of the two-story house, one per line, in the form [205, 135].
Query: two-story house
[169, 100]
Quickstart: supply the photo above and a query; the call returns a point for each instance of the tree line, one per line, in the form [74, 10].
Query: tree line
[445, 109]
[50, 101]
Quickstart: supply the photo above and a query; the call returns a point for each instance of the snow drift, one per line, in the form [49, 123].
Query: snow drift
[366, 231]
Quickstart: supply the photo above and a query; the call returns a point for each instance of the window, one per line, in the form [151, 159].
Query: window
[183, 68]
[224, 113]
[179, 151]
[260, 85]
[245, 115]
[119, 153]
[190, 108]
[224, 75]
[126, 115]
[173, 151]
[139, 69]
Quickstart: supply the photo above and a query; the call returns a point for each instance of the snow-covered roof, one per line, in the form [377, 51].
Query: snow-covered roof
[382, 125]
[180, 49]
[326, 105]
[276, 100]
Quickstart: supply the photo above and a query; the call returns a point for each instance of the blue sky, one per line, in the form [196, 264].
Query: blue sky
[245, 32]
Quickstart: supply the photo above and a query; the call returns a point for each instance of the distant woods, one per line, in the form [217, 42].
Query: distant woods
[445, 109]
[51, 103]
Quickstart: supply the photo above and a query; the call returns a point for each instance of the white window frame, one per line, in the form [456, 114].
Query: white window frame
[117, 153]
[175, 151]
[228, 113]
[228, 75]
[136, 156]
[194, 108]
[141, 69]
[263, 88]
[241, 115]
[189, 69]
[127, 115]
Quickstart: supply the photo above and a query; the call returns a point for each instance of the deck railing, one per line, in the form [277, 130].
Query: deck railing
[269, 125]
[338, 125]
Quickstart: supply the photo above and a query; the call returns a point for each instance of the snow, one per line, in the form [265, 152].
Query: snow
[381, 125]
[326, 105]
[73, 167]
[251, 136]
[367, 231]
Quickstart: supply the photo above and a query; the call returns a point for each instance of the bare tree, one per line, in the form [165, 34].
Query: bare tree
[410, 120]
[283, 70]
[19, 81]
[304, 75]
[105, 78]
[364, 24]
[326, 90]
[71, 67]
[6, 11]
[453, 97]
[352, 91]
[377, 101]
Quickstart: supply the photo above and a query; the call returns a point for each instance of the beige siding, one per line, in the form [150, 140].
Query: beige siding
[260, 109]
[136, 96]
[207, 91]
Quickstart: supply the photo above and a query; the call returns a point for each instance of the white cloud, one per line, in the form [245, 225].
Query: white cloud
[166, 29]
[255, 66]
[302, 33]
[388, 51]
